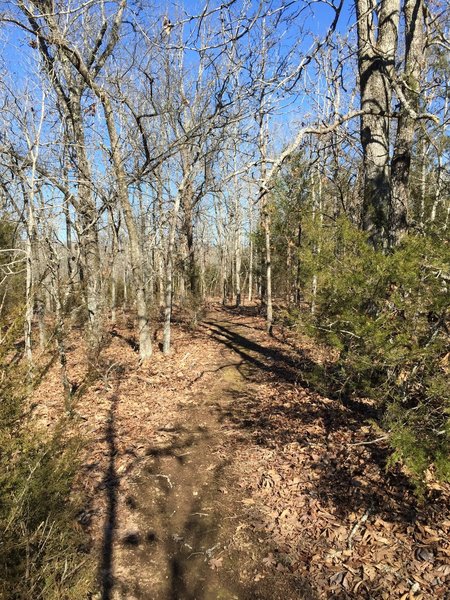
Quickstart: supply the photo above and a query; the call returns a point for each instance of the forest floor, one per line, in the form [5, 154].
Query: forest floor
[217, 473]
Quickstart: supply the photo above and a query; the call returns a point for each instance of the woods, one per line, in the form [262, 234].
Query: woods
[280, 161]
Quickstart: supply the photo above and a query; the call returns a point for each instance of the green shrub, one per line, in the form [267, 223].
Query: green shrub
[42, 550]
[12, 286]
[387, 314]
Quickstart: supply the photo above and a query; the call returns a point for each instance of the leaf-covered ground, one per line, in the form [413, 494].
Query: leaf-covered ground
[217, 473]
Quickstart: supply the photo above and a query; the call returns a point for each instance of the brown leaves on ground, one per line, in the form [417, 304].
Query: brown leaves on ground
[337, 516]
[310, 490]
[140, 404]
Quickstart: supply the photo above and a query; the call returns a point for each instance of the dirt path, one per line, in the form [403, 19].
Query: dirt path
[187, 533]
[221, 472]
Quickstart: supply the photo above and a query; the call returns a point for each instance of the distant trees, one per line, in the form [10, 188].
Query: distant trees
[183, 155]
[151, 133]
[144, 119]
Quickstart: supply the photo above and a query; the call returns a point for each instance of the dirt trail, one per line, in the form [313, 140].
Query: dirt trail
[222, 472]
[187, 533]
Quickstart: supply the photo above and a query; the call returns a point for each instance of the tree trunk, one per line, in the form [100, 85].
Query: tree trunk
[237, 256]
[401, 161]
[60, 329]
[29, 288]
[114, 256]
[299, 266]
[188, 225]
[266, 223]
[90, 251]
[69, 245]
[317, 207]
[377, 43]
[269, 306]
[169, 275]
[250, 257]
[136, 258]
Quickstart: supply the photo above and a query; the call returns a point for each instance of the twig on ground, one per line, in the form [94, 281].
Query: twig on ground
[356, 526]
[380, 439]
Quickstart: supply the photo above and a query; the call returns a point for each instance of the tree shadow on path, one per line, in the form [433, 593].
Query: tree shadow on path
[110, 484]
[333, 427]
[184, 513]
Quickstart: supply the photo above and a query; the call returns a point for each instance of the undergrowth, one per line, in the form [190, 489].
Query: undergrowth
[43, 551]
[387, 315]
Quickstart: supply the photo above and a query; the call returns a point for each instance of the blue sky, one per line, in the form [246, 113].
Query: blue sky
[16, 52]
[19, 57]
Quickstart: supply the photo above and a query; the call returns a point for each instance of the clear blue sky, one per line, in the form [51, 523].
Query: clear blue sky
[16, 51]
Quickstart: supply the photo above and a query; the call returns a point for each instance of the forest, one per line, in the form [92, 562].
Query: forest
[224, 300]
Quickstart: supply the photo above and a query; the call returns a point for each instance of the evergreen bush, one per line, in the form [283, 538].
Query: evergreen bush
[42, 548]
[387, 314]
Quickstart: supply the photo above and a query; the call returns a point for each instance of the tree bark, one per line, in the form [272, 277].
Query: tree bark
[169, 275]
[266, 225]
[250, 252]
[188, 226]
[377, 44]
[401, 161]
[90, 251]
[136, 258]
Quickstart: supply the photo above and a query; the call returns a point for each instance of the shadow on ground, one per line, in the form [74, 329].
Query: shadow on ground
[313, 421]
[186, 534]
[180, 539]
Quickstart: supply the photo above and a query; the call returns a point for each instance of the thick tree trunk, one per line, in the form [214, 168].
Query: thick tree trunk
[377, 43]
[401, 161]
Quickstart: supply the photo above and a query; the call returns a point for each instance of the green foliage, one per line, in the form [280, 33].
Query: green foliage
[7, 234]
[387, 314]
[41, 547]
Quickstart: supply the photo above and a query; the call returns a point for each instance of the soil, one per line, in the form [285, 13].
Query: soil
[218, 473]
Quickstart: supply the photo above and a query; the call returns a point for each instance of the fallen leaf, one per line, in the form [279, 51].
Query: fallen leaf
[216, 563]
